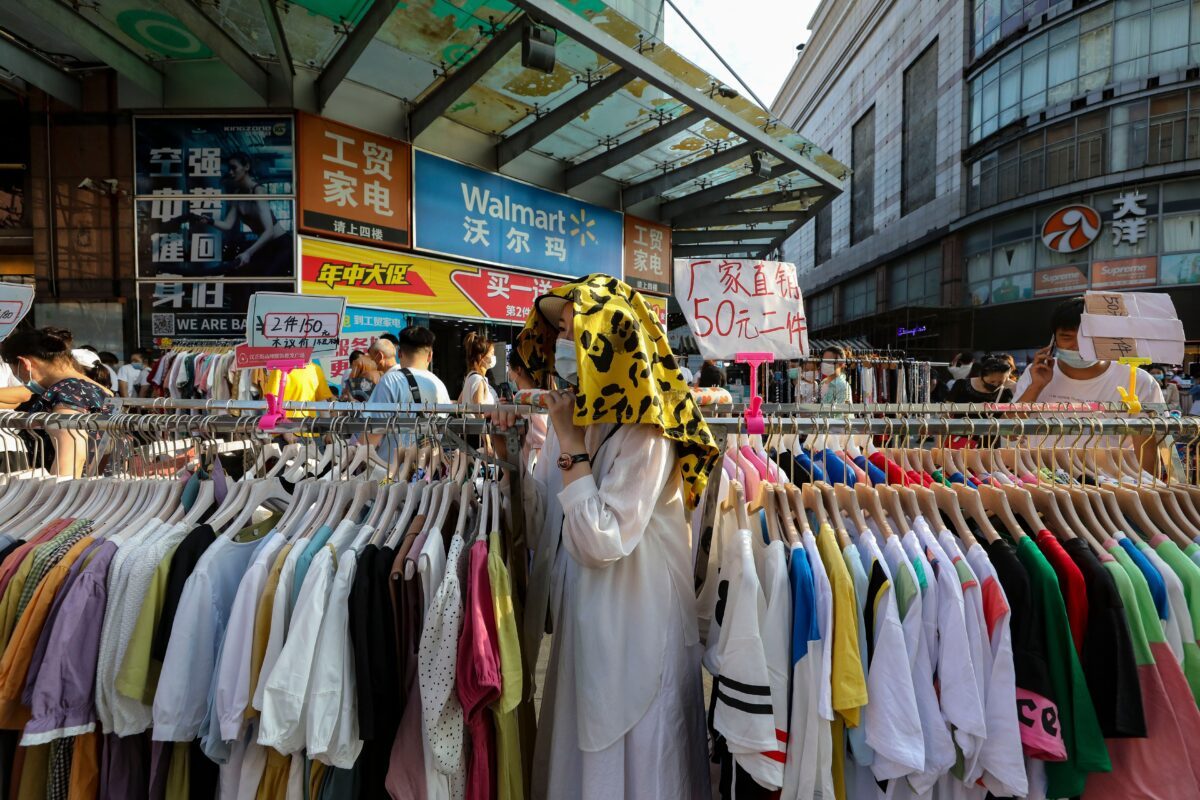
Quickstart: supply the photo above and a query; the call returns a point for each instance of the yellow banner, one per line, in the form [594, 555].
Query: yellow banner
[403, 281]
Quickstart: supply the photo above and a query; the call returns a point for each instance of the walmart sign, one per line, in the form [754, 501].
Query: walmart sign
[463, 211]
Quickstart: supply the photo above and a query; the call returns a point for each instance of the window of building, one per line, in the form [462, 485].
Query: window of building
[1166, 137]
[823, 234]
[820, 310]
[916, 280]
[919, 168]
[862, 182]
[1119, 41]
[858, 297]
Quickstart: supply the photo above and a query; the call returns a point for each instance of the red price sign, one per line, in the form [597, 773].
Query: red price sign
[736, 305]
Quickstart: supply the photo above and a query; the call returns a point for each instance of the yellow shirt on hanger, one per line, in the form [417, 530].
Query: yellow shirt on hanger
[510, 778]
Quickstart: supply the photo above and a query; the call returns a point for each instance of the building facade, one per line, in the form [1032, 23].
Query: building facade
[1061, 142]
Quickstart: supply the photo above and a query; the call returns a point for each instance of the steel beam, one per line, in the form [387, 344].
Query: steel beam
[632, 195]
[452, 86]
[82, 32]
[727, 235]
[721, 191]
[764, 201]
[37, 71]
[744, 218]
[550, 12]
[279, 38]
[729, 249]
[356, 42]
[585, 170]
[548, 123]
[808, 214]
[224, 47]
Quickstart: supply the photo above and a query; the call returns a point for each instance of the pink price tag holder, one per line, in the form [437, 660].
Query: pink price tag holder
[270, 358]
[753, 416]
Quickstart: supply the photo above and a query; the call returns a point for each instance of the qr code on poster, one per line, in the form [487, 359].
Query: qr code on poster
[162, 324]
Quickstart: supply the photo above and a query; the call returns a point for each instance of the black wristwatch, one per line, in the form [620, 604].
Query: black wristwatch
[566, 460]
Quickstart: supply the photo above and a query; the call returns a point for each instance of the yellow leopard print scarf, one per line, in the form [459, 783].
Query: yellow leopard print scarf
[627, 372]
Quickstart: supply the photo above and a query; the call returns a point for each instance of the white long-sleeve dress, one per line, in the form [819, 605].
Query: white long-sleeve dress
[623, 708]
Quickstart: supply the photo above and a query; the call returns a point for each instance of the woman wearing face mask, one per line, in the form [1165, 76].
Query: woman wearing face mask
[834, 389]
[986, 387]
[41, 359]
[625, 461]
[1059, 373]
[805, 381]
[1170, 388]
[481, 357]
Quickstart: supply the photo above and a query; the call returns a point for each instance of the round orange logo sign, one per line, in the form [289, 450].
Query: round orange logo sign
[1071, 228]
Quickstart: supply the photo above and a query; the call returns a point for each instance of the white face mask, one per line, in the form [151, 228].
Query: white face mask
[827, 369]
[1072, 358]
[491, 362]
[566, 364]
[960, 372]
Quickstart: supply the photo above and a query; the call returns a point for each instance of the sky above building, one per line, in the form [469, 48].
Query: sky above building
[757, 37]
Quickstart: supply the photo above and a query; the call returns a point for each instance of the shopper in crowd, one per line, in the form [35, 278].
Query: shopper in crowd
[988, 386]
[623, 714]
[363, 377]
[383, 354]
[1170, 389]
[408, 381]
[522, 376]
[710, 375]
[110, 362]
[960, 367]
[131, 377]
[1060, 374]
[1010, 382]
[807, 380]
[41, 359]
[481, 356]
[834, 389]
[391, 337]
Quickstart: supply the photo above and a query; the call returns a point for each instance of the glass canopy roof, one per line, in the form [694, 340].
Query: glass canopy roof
[419, 42]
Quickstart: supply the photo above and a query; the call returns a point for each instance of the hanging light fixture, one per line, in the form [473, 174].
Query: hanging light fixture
[537, 48]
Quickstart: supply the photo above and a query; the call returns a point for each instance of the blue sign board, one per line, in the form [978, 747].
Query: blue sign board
[467, 212]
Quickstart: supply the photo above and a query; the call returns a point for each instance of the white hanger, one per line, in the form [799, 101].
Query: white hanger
[204, 501]
[417, 499]
[267, 489]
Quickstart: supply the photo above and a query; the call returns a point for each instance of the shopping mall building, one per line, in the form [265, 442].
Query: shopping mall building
[436, 163]
[1005, 153]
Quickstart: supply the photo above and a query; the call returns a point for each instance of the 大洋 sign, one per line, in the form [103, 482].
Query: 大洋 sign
[289, 323]
[354, 184]
[214, 197]
[735, 305]
[462, 211]
[407, 282]
[647, 255]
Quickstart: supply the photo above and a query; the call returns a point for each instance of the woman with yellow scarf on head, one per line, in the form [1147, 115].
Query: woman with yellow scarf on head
[626, 457]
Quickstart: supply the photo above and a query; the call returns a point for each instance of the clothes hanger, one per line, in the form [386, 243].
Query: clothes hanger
[847, 498]
[771, 515]
[826, 494]
[784, 509]
[485, 505]
[796, 500]
[970, 501]
[948, 504]
[267, 489]
[869, 499]
[739, 505]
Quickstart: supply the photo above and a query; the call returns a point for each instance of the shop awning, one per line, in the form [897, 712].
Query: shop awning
[619, 104]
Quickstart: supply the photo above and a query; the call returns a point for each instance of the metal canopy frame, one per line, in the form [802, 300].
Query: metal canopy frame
[96, 41]
[584, 32]
[355, 43]
[37, 71]
[516, 144]
[722, 235]
[756, 202]
[451, 88]
[632, 195]
[744, 218]
[714, 249]
[228, 51]
[597, 164]
[283, 53]
[721, 191]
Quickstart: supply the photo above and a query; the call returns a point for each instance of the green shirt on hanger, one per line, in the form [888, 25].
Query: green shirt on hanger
[1086, 751]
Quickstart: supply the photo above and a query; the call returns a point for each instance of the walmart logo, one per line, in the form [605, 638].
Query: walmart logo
[582, 227]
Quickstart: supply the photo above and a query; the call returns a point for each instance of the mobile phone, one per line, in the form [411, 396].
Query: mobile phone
[1053, 347]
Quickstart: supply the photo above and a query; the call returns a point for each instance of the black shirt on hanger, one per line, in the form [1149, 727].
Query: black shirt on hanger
[183, 562]
[1107, 658]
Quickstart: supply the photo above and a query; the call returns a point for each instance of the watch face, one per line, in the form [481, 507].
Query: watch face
[564, 461]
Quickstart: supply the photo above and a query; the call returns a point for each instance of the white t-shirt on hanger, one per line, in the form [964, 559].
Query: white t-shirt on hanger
[1101, 389]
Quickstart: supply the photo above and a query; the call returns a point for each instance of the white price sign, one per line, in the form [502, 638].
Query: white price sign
[15, 301]
[1119, 325]
[739, 305]
[280, 321]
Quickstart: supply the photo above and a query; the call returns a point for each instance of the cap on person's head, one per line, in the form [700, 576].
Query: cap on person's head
[1067, 316]
[551, 307]
[85, 357]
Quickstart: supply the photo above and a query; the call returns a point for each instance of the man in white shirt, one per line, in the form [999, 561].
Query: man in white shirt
[1059, 374]
[131, 377]
[409, 381]
[13, 455]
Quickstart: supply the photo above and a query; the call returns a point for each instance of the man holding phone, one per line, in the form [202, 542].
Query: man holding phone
[1059, 374]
